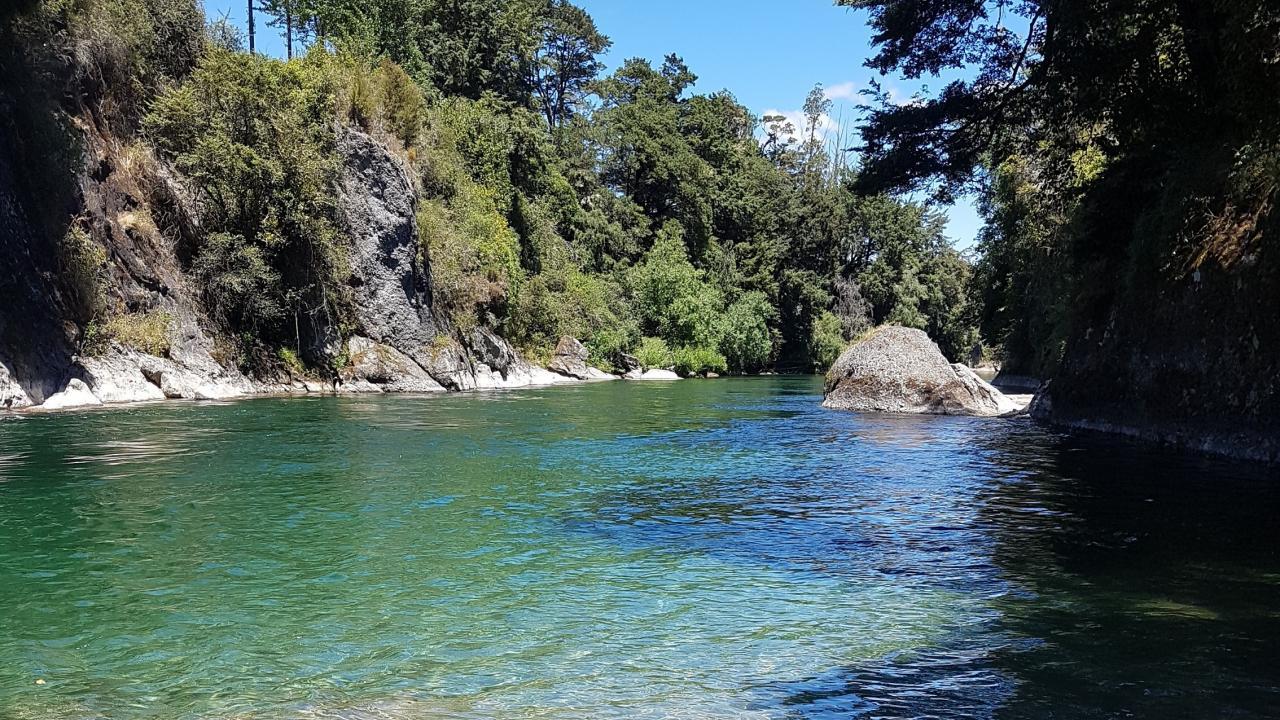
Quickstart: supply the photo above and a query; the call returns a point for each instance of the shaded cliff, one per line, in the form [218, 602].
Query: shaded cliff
[1193, 362]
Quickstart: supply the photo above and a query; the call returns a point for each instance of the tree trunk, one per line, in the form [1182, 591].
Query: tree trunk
[250, 27]
[288, 33]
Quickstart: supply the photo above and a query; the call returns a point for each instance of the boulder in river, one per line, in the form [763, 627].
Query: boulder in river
[897, 369]
[654, 374]
[570, 358]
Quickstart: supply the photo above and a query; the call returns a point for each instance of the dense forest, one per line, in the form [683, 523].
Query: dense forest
[625, 209]
[1124, 153]
[1127, 156]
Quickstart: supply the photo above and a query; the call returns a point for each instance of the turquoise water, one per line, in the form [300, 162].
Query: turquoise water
[708, 549]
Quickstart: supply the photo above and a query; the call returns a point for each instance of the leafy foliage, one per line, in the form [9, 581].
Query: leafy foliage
[1106, 140]
[254, 137]
[628, 210]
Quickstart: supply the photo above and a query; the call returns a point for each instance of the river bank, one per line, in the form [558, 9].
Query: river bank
[126, 377]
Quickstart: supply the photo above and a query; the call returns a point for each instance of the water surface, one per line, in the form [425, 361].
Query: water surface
[711, 549]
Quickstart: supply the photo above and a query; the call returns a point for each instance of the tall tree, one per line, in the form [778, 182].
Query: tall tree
[566, 61]
[289, 16]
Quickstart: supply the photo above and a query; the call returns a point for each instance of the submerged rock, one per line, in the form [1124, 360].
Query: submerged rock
[897, 369]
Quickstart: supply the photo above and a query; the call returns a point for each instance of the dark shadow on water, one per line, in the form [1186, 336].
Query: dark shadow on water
[933, 683]
[1143, 584]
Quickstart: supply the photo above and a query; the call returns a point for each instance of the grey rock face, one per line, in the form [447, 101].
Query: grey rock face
[391, 283]
[37, 355]
[123, 375]
[385, 368]
[494, 352]
[119, 378]
[448, 362]
[570, 358]
[629, 362]
[12, 396]
[901, 370]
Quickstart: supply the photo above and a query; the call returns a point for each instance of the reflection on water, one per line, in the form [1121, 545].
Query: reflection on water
[698, 549]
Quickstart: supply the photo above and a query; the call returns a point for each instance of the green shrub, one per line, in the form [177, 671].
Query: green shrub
[474, 254]
[567, 301]
[80, 260]
[240, 287]
[291, 362]
[663, 277]
[254, 137]
[827, 340]
[745, 340]
[403, 108]
[608, 345]
[653, 353]
[689, 360]
[145, 332]
[361, 105]
[695, 317]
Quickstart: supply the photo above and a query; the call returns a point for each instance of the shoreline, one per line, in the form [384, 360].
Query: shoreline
[527, 377]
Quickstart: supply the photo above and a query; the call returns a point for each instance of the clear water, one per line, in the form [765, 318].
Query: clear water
[689, 550]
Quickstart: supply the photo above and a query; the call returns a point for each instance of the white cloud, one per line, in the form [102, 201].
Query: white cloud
[827, 126]
[842, 91]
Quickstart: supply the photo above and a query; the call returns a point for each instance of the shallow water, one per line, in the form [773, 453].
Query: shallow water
[642, 550]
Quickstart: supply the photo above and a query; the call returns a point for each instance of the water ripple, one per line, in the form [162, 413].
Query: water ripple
[720, 549]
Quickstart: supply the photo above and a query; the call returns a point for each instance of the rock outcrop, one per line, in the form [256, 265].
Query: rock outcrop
[900, 370]
[392, 287]
[381, 368]
[398, 345]
[570, 358]
[12, 396]
[76, 394]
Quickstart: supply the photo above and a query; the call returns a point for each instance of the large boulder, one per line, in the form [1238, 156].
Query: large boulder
[374, 367]
[900, 370]
[76, 394]
[570, 358]
[652, 374]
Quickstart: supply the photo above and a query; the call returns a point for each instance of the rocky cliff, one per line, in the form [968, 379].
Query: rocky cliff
[130, 221]
[1190, 361]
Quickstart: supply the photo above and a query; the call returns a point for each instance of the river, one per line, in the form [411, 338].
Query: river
[700, 549]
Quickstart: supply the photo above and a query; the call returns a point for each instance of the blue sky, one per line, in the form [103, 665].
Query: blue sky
[768, 53]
